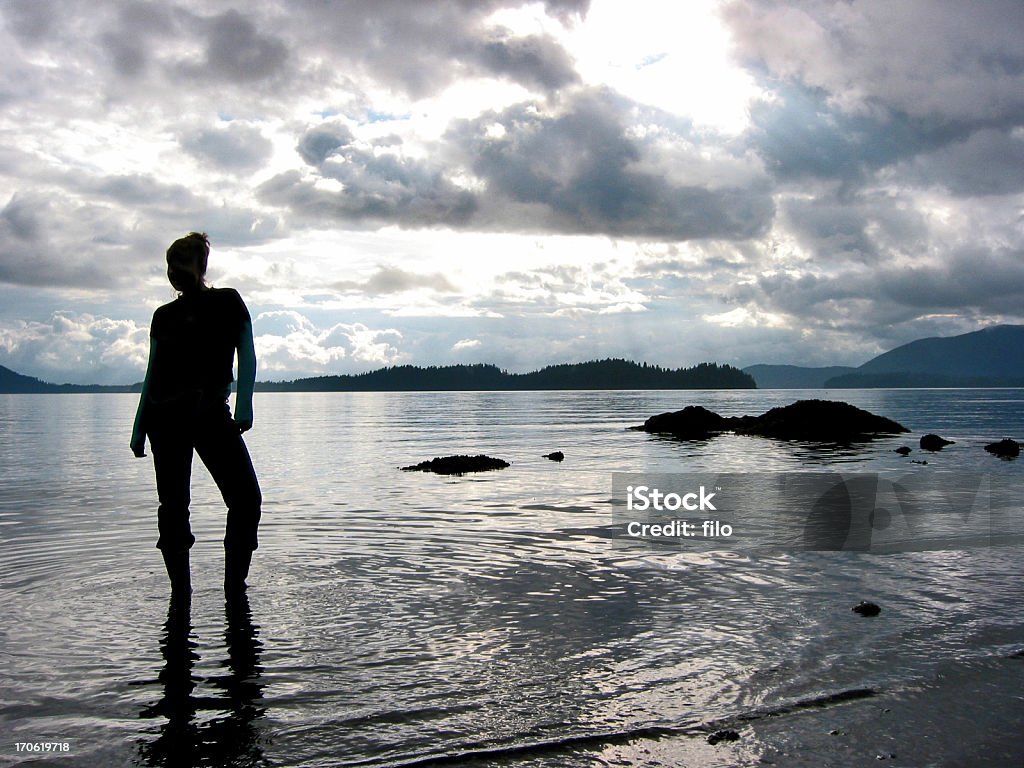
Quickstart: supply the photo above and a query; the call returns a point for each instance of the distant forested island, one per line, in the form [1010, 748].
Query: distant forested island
[598, 374]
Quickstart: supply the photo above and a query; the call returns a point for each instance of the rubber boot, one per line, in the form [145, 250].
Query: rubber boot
[236, 569]
[178, 571]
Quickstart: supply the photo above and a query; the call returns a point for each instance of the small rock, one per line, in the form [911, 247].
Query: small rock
[720, 736]
[903, 450]
[918, 461]
[556, 456]
[934, 443]
[1005, 448]
[865, 608]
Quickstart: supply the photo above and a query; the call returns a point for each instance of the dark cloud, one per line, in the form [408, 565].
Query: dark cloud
[940, 60]
[129, 56]
[567, 11]
[20, 218]
[234, 147]
[388, 280]
[417, 49]
[377, 188]
[421, 48]
[38, 249]
[577, 172]
[801, 135]
[971, 282]
[70, 228]
[317, 145]
[981, 280]
[141, 190]
[853, 228]
[910, 94]
[31, 21]
[377, 192]
[989, 162]
[534, 60]
[141, 31]
[237, 51]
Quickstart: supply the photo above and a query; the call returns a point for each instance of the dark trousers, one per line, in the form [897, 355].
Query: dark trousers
[206, 427]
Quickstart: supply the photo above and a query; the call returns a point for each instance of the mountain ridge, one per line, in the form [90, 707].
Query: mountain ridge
[989, 357]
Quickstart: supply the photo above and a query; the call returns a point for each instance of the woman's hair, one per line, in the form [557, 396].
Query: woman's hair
[186, 261]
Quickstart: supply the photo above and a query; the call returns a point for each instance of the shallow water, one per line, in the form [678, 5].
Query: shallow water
[399, 617]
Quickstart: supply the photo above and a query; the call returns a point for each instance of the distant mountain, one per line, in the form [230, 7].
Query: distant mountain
[16, 383]
[996, 352]
[598, 374]
[991, 357]
[794, 376]
[11, 382]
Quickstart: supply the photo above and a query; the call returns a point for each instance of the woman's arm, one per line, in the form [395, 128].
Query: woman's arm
[246, 377]
[138, 443]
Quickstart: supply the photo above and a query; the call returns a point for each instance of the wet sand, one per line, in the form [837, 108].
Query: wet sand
[969, 715]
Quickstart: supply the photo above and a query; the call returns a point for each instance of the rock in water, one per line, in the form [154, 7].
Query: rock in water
[819, 421]
[903, 450]
[823, 421]
[556, 456]
[934, 443]
[865, 608]
[1005, 448]
[725, 735]
[694, 422]
[458, 465]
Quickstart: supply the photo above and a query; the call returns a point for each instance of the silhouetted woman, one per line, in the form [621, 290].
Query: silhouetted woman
[184, 407]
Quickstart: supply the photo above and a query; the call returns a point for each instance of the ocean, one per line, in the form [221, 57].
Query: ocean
[504, 618]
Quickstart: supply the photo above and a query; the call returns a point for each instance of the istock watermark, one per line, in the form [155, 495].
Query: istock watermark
[824, 511]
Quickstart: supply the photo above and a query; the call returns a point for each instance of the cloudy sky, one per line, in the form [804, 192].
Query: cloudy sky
[447, 181]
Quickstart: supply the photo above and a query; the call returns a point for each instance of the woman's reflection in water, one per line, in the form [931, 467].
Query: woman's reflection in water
[229, 735]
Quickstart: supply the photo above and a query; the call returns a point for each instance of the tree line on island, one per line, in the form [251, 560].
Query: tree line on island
[596, 374]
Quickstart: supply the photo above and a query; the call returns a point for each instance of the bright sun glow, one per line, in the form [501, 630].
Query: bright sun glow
[669, 54]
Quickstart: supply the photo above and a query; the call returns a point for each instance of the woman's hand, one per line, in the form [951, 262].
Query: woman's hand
[246, 378]
[138, 443]
[243, 414]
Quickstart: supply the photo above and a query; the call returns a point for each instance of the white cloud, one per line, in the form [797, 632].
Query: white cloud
[76, 348]
[309, 350]
[742, 316]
